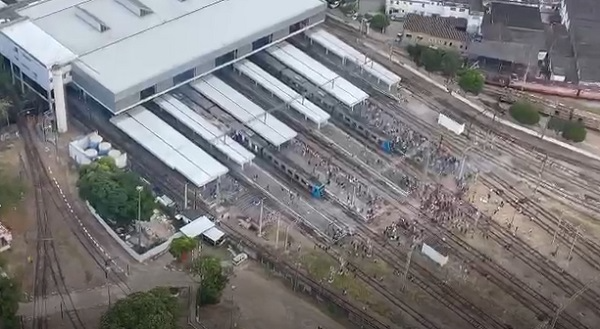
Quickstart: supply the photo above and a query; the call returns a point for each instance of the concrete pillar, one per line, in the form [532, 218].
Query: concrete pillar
[60, 102]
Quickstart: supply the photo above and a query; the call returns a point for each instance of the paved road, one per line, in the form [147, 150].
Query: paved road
[104, 295]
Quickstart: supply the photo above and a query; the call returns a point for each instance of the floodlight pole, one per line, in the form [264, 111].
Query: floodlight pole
[139, 189]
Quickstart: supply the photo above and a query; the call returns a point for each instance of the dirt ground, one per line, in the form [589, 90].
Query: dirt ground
[256, 300]
[79, 270]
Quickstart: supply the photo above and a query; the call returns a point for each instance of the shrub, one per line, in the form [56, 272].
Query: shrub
[574, 131]
[525, 113]
[471, 81]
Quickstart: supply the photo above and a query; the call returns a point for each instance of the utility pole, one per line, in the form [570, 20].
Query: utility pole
[260, 217]
[139, 214]
[560, 218]
[185, 196]
[287, 234]
[407, 267]
[277, 235]
[543, 166]
[577, 233]
[568, 302]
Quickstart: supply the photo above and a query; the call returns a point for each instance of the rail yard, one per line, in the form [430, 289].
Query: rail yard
[395, 219]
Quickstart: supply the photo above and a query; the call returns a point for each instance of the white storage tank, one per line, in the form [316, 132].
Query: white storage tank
[115, 154]
[91, 153]
[104, 148]
[121, 161]
[85, 161]
[95, 140]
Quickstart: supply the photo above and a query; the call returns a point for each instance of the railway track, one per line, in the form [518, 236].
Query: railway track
[529, 256]
[47, 263]
[168, 182]
[421, 276]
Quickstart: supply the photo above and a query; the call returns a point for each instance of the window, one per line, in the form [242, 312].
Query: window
[408, 36]
[462, 10]
[298, 26]
[450, 44]
[181, 77]
[262, 42]
[423, 5]
[16, 50]
[147, 92]
[452, 8]
[223, 59]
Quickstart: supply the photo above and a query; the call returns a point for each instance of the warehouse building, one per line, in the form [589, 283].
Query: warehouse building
[122, 53]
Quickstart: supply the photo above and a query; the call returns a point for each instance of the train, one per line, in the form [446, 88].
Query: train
[322, 99]
[270, 153]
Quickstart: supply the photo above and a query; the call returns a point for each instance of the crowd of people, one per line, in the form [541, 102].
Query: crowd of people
[334, 176]
[403, 138]
[445, 209]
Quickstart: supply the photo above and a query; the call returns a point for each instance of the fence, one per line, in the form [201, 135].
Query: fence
[154, 252]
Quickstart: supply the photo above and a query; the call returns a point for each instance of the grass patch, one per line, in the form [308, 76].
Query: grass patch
[319, 264]
[12, 190]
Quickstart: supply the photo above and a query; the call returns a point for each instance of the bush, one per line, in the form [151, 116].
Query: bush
[471, 80]
[379, 22]
[574, 131]
[525, 113]
[431, 59]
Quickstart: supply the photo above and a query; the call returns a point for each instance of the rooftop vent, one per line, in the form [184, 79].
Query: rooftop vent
[136, 7]
[91, 20]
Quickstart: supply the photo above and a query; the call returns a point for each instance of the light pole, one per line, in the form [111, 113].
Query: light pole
[139, 189]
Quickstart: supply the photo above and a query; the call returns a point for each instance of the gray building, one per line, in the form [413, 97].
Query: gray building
[125, 52]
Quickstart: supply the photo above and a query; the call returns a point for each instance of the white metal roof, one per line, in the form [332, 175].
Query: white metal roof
[283, 92]
[244, 110]
[213, 234]
[197, 227]
[318, 74]
[171, 147]
[344, 50]
[205, 129]
[174, 34]
[38, 43]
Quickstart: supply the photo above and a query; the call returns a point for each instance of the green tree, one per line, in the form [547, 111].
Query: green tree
[451, 63]
[182, 246]
[212, 279]
[431, 59]
[471, 80]
[525, 113]
[574, 131]
[10, 294]
[414, 51]
[5, 111]
[155, 309]
[379, 22]
[113, 192]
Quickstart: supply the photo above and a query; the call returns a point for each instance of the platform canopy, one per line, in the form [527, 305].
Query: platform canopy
[347, 52]
[296, 101]
[318, 74]
[169, 146]
[209, 132]
[244, 110]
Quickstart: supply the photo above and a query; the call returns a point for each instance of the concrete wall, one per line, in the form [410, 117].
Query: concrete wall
[428, 40]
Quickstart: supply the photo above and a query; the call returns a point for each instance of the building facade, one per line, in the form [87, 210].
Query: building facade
[122, 53]
[472, 11]
[437, 32]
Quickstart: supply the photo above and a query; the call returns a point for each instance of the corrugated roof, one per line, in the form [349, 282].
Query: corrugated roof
[176, 33]
[439, 27]
[38, 43]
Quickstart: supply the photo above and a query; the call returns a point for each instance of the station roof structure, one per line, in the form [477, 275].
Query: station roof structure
[147, 38]
[37, 43]
[209, 132]
[197, 227]
[244, 110]
[344, 50]
[318, 74]
[168, 145]
[296, 101]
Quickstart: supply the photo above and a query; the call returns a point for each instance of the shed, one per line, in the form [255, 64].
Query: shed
[203, 226]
